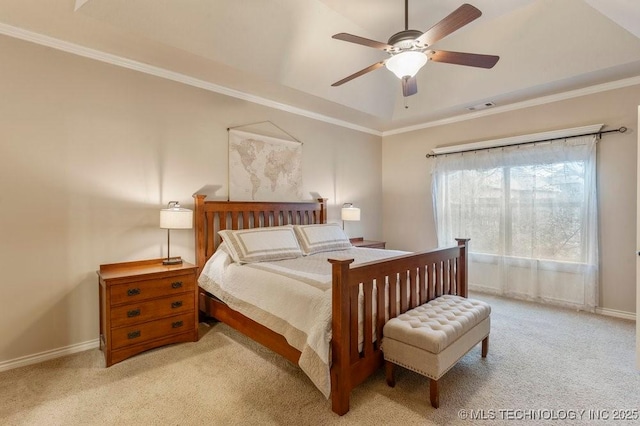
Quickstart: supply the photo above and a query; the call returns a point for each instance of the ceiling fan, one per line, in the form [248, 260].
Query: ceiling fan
[409, 50]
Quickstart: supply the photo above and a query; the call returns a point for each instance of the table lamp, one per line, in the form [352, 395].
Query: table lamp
[349, 213]
[174, 217]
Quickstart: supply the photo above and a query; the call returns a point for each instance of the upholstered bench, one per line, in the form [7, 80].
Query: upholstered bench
[431, 338]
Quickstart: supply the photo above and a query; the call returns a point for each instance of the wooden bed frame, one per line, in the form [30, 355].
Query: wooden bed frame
[420, 278]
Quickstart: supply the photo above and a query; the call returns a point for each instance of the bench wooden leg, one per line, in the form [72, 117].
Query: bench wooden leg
[433, 391]
[485, 347]
[388, 368]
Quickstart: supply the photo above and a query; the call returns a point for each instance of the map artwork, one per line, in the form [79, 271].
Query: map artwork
[264, 168]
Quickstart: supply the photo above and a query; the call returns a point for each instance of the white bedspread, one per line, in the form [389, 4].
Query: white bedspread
[291, 297]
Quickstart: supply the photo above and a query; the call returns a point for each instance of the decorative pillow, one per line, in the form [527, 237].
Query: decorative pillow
[323, 237]
[261, 244]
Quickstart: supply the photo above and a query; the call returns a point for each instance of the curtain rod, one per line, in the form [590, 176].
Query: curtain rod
[599, 134]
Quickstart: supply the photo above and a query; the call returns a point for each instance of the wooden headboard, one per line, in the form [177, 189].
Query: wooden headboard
[214, 216]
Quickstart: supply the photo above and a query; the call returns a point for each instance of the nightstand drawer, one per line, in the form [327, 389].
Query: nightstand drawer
[135, 334]
[158, 308]
[148, 289]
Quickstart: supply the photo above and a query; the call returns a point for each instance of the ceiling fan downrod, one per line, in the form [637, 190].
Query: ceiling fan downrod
[406, 15]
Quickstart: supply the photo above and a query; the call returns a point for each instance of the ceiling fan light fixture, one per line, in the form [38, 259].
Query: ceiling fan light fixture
[406, 63]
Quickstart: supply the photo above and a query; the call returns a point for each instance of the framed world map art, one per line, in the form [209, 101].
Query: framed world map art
[264, 168]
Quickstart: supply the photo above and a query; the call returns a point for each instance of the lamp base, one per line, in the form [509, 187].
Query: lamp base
[172, 261]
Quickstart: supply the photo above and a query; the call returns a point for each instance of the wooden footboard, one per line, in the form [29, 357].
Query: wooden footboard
[410, 281]
[413, 279]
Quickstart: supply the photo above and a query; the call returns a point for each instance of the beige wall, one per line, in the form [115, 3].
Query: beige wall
[406, 179]
[91, 152]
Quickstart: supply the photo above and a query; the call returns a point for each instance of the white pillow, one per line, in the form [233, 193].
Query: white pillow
[323, 237]
[261, 244]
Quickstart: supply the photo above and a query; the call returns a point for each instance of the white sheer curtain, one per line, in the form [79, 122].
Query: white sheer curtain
[531, 214]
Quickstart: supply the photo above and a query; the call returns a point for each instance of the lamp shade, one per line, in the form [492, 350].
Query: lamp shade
[349, 212]
[175, 217]
[406, 63]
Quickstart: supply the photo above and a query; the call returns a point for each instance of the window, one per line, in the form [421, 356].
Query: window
[526, 209]
[541, 207]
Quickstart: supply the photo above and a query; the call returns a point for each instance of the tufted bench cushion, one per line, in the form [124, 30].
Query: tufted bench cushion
[438, 323]
[431, 338]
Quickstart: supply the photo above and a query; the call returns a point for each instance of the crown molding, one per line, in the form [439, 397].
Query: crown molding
[119, 61]
[604, 87]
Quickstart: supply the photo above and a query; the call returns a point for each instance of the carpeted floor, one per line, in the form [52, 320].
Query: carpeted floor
[544, 365]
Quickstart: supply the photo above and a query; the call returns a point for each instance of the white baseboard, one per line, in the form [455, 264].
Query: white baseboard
[600, 311]
[47, 355]
[615, 313]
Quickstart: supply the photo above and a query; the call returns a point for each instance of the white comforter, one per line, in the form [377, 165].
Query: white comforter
[291, 297]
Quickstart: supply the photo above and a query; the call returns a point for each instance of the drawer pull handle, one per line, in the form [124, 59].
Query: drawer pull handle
[176, 324]
[133, 334]
[177, 304]
[133, 313]
[176, 284]
[133, 292]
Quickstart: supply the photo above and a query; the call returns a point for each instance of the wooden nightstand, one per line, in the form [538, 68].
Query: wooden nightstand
[144, 305]
[361, 242]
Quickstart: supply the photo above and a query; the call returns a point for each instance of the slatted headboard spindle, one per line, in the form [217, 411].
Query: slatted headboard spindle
[214, 216]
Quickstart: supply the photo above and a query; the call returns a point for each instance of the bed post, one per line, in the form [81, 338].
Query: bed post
[200, 234]
[463, 266]
[340, 366]
[323, 210]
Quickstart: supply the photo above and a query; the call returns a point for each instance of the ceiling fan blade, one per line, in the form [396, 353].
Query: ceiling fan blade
[359, 73]
[409, 86]
[460, 58]
[361, 40]
[454, 21]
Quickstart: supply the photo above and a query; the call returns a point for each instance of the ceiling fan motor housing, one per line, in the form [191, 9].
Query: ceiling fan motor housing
[404, 39]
